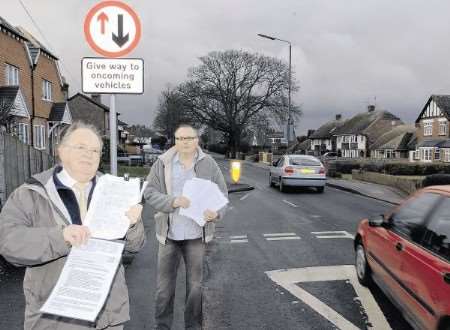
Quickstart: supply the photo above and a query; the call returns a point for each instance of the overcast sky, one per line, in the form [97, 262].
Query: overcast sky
[345, 53]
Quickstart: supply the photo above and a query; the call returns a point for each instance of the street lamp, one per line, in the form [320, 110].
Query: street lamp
[289, 121]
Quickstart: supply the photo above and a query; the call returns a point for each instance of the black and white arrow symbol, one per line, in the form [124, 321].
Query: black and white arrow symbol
[120, 39]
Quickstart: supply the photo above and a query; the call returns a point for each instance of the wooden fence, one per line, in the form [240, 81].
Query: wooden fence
[18, 162]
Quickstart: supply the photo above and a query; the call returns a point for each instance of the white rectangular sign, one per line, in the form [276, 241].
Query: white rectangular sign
[112, 75]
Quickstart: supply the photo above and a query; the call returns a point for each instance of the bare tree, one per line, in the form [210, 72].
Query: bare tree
[5, 113]
[230, 88]
[171, 112]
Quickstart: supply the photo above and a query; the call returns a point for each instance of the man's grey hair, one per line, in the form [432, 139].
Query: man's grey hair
[80, 125]
[184, 125]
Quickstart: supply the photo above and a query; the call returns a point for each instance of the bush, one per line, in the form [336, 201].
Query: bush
[436, 179]
[218, 148]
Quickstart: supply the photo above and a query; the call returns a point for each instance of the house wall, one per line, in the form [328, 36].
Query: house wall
[13, 51]
[83, 109]
[46, 69]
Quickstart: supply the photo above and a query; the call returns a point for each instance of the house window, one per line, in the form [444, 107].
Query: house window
[416, 155]
[22, 131]
[390, 153]
[39, 136]
[437, 154]
[443, 127]
[427, 129]
[46, 90]
[12, 75]
[426, 154]
[446, 155]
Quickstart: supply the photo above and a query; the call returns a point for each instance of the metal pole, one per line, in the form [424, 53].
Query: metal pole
[113, 134]
[289, 101]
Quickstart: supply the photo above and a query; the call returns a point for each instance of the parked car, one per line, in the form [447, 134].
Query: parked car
[329, 156]
[407, 254]
[298, 171]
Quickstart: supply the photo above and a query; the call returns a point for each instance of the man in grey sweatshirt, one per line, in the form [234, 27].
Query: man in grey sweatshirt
[178, 235]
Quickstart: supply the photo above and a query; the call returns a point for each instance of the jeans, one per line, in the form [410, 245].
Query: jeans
[169, 256]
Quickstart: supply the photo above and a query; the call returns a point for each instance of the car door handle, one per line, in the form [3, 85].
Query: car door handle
[399, 246]
[447, 278]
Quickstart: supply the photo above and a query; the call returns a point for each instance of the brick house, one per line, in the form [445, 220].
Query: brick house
[432, 131]
[40, 111]
[90, 110]
[355, 136]
[323, 140]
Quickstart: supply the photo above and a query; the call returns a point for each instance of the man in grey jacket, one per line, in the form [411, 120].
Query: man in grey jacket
[43, 218]
[178, 235]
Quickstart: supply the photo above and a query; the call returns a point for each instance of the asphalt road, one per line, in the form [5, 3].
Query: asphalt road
[265, 270]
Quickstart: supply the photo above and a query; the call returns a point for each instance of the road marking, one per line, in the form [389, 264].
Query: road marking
[333, 234]
[282, 238]
[238, 237]
[287, 278]
[315, 216]
[280, 234]
[243, 197]
[239, 241]
[289, 203]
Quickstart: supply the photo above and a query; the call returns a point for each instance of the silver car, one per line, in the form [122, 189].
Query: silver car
[298, 171]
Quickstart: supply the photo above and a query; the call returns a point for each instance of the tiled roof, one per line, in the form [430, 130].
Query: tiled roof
[392, 137]
[6, 25]
[360, 122]
[443, 102]
[101, 105]
[326, 131]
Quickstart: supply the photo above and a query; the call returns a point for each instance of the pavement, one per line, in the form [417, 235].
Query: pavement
[372, 190]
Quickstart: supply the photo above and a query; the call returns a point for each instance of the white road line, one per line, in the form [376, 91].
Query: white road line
[289, 278]
[243, 197]
[333, 234]
[289, 203]
[238, 237]
[282, 238]
[239, 241]
[279, 234]
[315, 216]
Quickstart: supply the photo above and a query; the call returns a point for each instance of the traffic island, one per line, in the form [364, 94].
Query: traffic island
[238, 187]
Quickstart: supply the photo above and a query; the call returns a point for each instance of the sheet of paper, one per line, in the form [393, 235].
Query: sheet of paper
[203, 195]
[112, 198]
[85, 280]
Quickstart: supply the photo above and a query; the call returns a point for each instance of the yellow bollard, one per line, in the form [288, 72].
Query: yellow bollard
[235, 171]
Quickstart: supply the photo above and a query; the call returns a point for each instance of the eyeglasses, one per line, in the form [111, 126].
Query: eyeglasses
[84, 149]
[185, 138]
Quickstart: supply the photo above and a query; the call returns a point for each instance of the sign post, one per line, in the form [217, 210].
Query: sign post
[112, 29]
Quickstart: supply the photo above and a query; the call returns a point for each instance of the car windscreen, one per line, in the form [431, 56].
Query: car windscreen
[299, 161]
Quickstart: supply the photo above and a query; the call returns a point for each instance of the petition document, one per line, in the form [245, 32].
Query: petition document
[112, 198]
[203, 195]
[85, 280]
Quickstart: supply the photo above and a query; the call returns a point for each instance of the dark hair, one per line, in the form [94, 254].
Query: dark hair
[185, 125]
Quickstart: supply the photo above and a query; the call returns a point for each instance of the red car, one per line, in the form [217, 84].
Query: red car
[407, 254]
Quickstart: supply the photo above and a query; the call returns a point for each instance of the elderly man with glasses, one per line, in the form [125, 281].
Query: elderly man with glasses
[178, 235]
[43, 218]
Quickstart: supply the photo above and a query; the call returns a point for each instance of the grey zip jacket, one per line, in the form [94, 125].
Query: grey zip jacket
[31, 235]
[158, 191]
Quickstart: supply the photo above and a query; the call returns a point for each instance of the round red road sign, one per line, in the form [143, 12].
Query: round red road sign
[112, 28]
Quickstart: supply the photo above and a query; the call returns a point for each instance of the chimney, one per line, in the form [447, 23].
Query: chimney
[338, 116]
[310, 132]
[96, 98]
[371, 108]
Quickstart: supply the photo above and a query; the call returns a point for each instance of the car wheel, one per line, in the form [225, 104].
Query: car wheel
[361, 265]
[320, 189]
[270, 180]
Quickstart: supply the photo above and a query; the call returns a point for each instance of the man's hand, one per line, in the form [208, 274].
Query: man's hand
[181, 202]
[134, 213]
[210, 215]
[76, 235]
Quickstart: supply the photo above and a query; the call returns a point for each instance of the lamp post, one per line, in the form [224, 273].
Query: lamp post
[289, 121]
